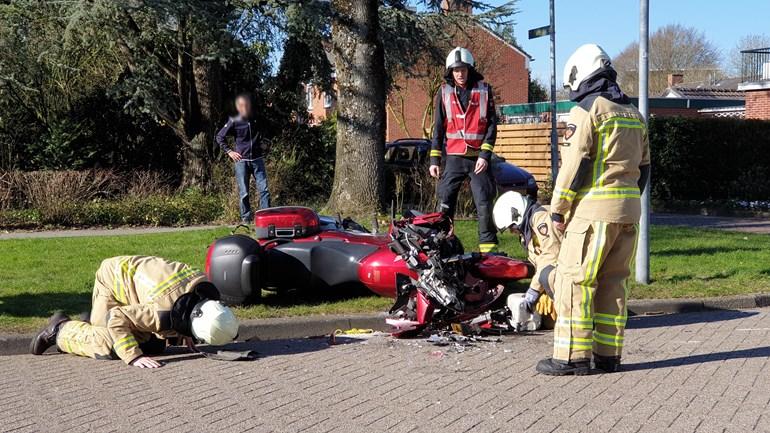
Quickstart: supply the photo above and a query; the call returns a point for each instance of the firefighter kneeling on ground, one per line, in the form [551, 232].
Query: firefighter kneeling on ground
[605, 165]
[464, 116]
[138, 302]
[529, 219]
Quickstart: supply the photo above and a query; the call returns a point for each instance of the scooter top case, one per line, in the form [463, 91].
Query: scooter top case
[234, 266]
[289, 222]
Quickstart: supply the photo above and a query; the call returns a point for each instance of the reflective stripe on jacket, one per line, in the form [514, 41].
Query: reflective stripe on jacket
[465, 129]
[605, 145]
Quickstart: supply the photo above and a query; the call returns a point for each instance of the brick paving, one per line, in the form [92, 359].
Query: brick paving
[698, 372]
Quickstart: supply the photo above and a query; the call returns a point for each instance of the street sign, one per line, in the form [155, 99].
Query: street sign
[539, 32]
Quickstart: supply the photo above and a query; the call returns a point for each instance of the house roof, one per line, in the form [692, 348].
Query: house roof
[723, 89]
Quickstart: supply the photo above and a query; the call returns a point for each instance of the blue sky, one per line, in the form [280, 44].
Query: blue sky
[615, 24]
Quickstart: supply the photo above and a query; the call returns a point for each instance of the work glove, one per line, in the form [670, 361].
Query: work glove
[531, 298]
[545, 307]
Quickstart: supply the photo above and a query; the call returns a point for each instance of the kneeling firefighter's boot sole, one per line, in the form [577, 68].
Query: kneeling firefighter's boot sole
[608, 364]
[551, 367]
[47, 337]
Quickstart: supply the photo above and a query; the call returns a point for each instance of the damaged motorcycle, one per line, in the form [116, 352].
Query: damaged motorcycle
[420, 262]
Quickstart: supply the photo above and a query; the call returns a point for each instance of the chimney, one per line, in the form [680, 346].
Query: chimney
[464, 6]
[675, 79]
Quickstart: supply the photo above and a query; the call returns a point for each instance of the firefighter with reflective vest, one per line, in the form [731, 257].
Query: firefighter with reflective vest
[465, 128]
[524, 216]
[138, 302]
[596, 203]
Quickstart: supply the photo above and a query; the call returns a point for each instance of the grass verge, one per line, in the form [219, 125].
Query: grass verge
[38, 276]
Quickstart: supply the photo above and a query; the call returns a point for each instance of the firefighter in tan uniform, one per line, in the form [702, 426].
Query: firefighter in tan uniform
[605, 163]
[138, 302]
[532, 222]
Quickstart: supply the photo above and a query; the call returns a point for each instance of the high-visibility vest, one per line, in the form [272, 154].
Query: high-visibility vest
[465, 129]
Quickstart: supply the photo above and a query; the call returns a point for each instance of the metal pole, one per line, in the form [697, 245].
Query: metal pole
[554, 135]
[643, 247]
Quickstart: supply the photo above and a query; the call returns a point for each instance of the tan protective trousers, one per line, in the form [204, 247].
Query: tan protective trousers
[590, 289]
[92, 339]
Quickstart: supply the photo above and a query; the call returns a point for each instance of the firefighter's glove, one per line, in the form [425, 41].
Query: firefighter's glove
[545, 307]
[530, 299]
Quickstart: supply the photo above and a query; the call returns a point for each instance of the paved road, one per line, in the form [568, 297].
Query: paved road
[76, 233]
[747, 225]
[705, 372]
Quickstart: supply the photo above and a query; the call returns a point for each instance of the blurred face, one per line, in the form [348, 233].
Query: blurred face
[243, 105]
[460, 75]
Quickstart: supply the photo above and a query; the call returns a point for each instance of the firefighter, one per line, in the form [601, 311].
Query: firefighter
[138, 302]
[605, 165]
[529, 219]
[465, 128]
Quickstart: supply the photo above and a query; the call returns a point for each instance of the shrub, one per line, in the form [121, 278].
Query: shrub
[54, 193]
[300, 165]
[709, 159]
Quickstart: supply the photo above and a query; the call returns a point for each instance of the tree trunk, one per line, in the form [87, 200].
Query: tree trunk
[201, 121]
[360, 67]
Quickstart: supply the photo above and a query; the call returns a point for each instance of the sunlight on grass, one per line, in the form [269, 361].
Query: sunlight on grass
[38, 276]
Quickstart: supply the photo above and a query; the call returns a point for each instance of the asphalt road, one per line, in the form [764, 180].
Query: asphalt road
[692, 372]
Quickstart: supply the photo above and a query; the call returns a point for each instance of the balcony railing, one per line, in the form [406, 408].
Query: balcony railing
[755, 65]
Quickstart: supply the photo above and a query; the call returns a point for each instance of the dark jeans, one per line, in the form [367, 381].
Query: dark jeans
[456, 170]
[243, 171]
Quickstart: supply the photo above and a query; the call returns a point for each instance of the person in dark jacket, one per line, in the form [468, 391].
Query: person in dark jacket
[248, 154]
[465, 129]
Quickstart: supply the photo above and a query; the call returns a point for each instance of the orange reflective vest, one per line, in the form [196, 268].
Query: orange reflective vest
[465, 129]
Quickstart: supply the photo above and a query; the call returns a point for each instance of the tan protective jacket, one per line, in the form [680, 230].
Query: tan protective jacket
[600, 159]
[144, 287]
[543, 249]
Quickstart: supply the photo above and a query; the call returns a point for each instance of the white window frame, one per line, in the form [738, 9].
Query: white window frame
[328, 100]
[309, 97]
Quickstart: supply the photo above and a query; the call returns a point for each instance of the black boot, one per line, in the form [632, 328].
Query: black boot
[552, 367]
[47, 337]
[85, 317]
[608, 364]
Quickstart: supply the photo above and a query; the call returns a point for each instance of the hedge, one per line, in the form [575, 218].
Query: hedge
[709, 159]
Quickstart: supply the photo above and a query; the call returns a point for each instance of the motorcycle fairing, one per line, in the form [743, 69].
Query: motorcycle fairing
[321, 263]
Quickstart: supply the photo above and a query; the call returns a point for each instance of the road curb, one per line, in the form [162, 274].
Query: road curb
[308, 326]
[641, 307]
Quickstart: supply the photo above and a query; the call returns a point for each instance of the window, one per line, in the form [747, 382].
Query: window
[328, 100]
[309, 96]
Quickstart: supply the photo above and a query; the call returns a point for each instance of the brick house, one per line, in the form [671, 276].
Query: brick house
[409, 104]
[755, 82]
[505, 67]
[319, 104]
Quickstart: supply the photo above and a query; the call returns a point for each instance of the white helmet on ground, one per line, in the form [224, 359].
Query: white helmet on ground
[509, 210]
[214, 323]
[459, 57]
[585, 62]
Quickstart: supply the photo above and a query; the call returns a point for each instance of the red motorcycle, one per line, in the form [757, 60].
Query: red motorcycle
[420, 262]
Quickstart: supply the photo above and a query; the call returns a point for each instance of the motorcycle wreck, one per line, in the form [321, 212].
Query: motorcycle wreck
[453, 289]
[419, 261]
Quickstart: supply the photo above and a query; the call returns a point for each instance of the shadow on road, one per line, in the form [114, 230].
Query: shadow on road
[756, 352]
[263, 348]
[643, 322]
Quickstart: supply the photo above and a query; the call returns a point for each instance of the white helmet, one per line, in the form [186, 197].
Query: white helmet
[585, 62]
[460, 57]
[509, 210]
[214, 323]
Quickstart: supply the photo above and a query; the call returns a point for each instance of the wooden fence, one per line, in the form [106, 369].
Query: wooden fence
[528, 146]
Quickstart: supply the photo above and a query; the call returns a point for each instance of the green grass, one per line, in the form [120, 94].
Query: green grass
[38, 276]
